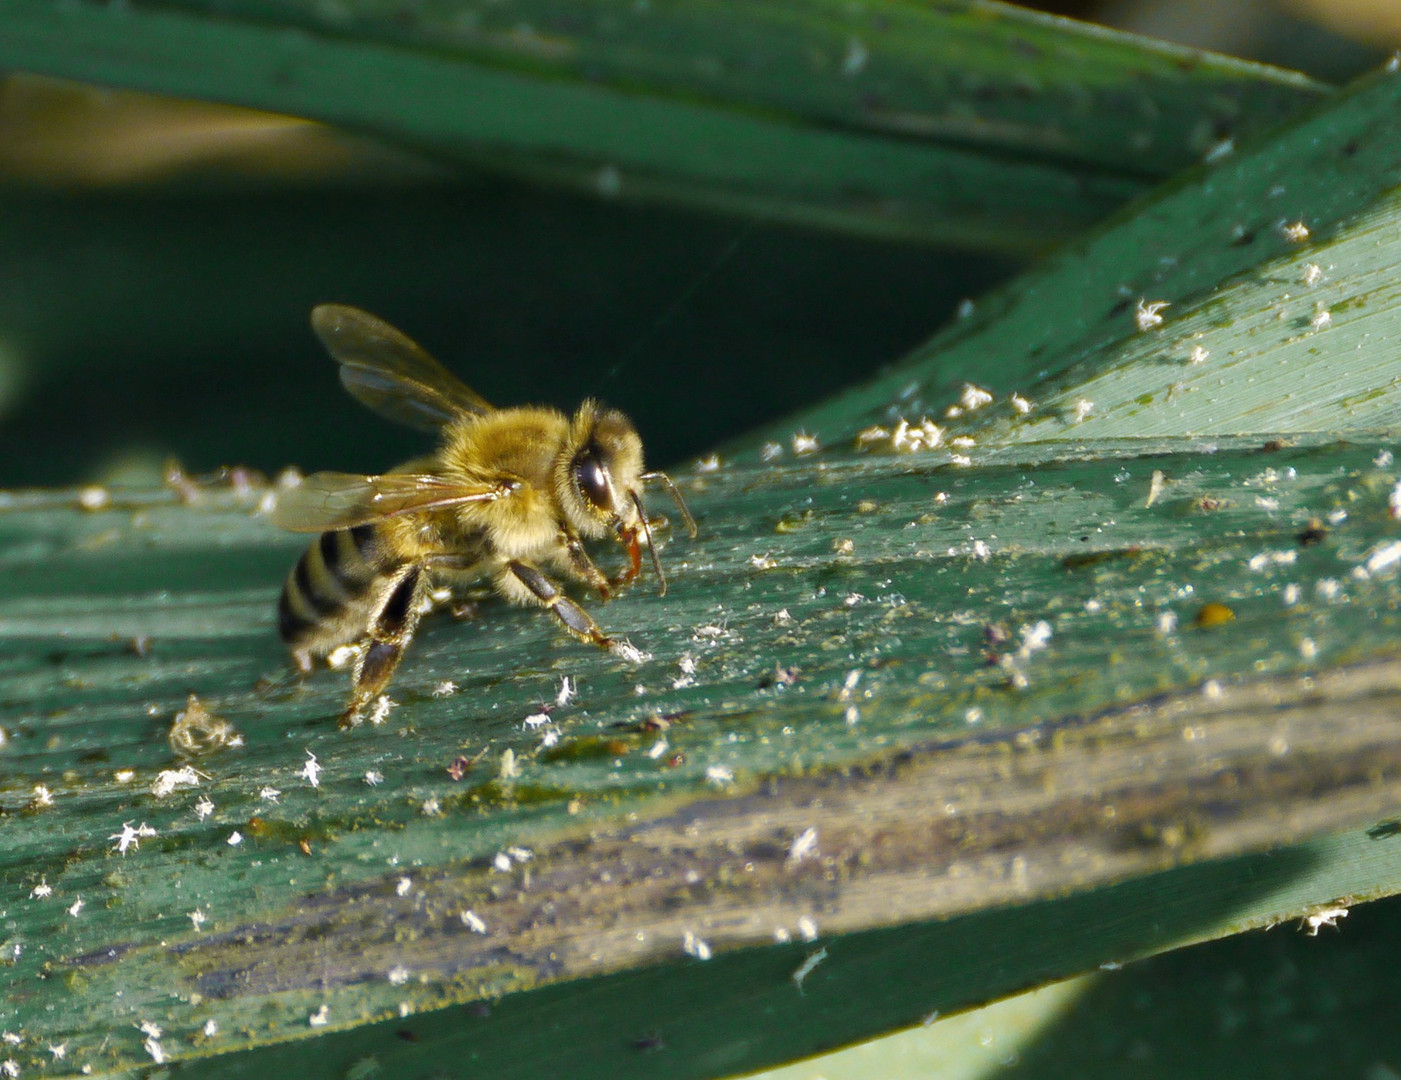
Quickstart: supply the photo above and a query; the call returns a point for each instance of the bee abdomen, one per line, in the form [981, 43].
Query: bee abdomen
[333, 577]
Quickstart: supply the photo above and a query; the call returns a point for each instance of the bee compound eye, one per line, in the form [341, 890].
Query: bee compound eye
[592, 481]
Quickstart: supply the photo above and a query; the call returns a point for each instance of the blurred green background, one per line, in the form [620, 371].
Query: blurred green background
[158, 260]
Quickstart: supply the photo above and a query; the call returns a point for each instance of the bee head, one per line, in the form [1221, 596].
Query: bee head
[598, 481]
[598, 474]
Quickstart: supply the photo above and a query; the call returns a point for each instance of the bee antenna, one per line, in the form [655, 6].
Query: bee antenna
[675, 494]
[651, 547]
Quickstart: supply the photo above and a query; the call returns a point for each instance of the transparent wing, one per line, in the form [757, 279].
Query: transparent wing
[386, 371]
[332, 500]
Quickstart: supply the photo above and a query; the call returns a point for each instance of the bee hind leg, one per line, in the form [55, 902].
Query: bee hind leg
[575, 619]
[390, 632]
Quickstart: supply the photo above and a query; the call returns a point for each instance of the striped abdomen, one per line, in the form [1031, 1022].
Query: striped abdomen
[330, 594]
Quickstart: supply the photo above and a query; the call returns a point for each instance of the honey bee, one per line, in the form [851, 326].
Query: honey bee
[508, 493]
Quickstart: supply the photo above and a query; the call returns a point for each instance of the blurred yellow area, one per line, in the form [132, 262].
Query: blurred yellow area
[1372, 22]
[59, 134]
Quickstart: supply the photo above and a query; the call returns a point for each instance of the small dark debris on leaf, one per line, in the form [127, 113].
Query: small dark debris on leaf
[140, 645]
[1273, 446]
[1315, 532]
[1092, 558]
[996, 634]
[196, 731]
[407, 1034]
[676, 761]
[647, 1044]
[781, 676]
[659, 721]
[304, 845]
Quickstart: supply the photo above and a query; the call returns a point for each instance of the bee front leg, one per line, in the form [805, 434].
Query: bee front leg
[585, 567]
[389, 635]
[576, 620]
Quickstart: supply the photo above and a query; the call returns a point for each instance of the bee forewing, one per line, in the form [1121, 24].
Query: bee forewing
[390, 373]
[333, 500]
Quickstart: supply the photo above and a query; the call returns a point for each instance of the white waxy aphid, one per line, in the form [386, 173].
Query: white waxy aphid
[379, 711]
[509, 768]
[473, 921]
[1296, 232]
[804, 845]
[402, 886]
[130, 837]
[1265, 559]
[311, 770]
[171, 780]
[658, 748]
[695, 946]
[719, 775]
[974, 397]
[204, 807]
[1312, 274]
[1082, 409]
[1198, 355]
[626, 650]
[1327, 917]
[1155, 487]
[535, 720]
[374, 777]
[41, 798]
[1020, 405]
[197, 918]
[42, 891]
[446, 688]
[803, 443]
[269, 794]
[708, 464]
[807, 928]
[75, 908]
[398, 975]
[566, 693]
[1147, 315]
[1322, 319]
[806, 968]
[1383, 557]
[321, 1017]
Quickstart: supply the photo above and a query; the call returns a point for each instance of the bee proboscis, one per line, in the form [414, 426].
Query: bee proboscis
[509, 493]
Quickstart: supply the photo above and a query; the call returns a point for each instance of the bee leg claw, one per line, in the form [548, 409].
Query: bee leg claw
[391, 630]
[576, 620]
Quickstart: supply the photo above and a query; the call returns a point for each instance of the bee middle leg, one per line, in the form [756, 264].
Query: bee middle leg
[576, 620]
[390, 632]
